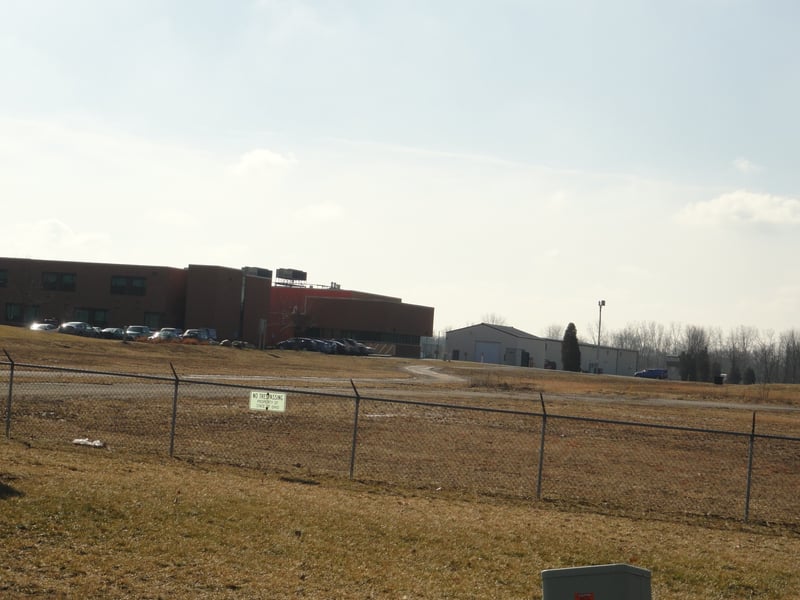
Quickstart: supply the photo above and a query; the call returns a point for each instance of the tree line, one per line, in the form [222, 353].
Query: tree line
[744, 354]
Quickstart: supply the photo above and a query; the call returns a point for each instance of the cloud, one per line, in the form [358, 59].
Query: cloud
[53, 238]
[261, 160]
[742, 207]
[319, 212]
[746, 166]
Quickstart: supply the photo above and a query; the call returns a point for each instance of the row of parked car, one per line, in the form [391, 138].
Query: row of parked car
[129, 333]
[333, 346]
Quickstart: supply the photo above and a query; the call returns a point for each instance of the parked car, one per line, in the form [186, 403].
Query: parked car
[196, 335]
[78, 328]
[165, 334]
[112, 333]
[44, 327]
[137, 332]
[354, 347]
[652, 373]
[336, 347]
[298, 343]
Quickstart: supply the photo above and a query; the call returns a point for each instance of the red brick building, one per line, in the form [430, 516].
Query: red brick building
[240, 304]
[384, 322]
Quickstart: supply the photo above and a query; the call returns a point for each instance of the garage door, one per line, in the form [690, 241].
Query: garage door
[488, 352]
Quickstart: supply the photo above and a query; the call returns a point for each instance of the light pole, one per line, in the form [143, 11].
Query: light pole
[600, 305]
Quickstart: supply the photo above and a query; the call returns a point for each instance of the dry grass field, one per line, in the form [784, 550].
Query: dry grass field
[137, 526]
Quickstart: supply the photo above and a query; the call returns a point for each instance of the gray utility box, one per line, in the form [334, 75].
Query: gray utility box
[598, 582]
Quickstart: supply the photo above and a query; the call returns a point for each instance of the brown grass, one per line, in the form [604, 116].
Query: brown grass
[111, 525]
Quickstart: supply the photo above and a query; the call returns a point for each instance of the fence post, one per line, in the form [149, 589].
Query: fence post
[750, 469]
[355, 432]
[174, 413]
[541, 449]
[10, 393]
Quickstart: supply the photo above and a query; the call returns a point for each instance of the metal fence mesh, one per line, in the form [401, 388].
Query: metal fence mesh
[776, 480]
[129, 414]
[637, 468]
[601, 465]
[445, 447]
[214, 424]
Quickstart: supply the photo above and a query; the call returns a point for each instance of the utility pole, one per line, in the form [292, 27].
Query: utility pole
[600, 304]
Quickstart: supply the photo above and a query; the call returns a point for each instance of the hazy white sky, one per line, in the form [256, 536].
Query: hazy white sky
[517, 158]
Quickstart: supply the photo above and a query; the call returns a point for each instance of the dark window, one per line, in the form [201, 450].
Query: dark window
[97, 317]
[59, 282]
[3, 277]
[31, 313]
[130, 286]
[13, 312]
[154, 320]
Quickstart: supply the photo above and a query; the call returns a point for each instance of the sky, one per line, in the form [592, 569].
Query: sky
[514, 160]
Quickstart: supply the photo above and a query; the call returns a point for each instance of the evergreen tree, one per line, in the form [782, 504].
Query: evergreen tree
[694, 363]
[570, 350]
[687, 366]
[735, 376]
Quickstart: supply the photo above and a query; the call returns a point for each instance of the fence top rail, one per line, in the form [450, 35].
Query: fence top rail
[652, 425]
[543, 415]
[270, 388]
[484, 409]
[585, 419]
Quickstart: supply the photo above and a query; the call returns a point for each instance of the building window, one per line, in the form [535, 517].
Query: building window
[129, 286]
[13, 312]
[154, 320]
[3, 277]
[59, 282]
[97, 317]
[31, 313]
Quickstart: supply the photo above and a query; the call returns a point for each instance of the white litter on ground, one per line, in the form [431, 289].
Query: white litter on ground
[88, 442]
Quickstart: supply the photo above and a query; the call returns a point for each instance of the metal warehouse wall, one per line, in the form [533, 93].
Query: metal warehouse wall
[490, 344]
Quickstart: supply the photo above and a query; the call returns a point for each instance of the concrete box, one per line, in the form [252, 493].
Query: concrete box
[598, 582]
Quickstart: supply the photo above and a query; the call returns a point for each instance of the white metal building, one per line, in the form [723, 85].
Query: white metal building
[502, 345]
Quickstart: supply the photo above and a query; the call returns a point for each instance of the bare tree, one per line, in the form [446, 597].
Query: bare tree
[695, 363]
[790, 342]
[650, 339]
[767, 357]
[554, 331]
[739, 347]
[493, 319]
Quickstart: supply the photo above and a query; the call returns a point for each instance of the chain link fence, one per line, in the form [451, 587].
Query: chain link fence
[614, 467]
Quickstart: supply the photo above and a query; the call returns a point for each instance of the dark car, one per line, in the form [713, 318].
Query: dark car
[112, 333]
[137, 332]
[195, 335]
[329, 346]
[298, 343]
[336, 347]
[651, 373]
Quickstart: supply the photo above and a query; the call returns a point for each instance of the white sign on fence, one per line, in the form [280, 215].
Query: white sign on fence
[274, 401]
